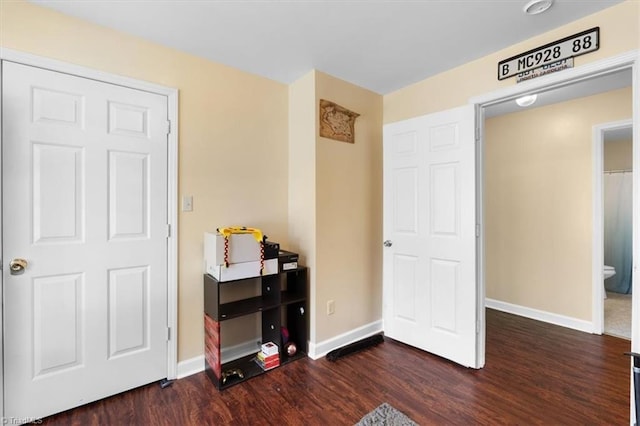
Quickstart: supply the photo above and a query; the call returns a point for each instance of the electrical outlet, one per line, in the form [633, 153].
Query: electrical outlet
[331, 307]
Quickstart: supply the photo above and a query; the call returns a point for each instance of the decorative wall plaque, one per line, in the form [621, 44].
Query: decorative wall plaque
[336, 122]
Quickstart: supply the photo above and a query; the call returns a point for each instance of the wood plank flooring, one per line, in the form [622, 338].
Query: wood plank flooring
[535, 373]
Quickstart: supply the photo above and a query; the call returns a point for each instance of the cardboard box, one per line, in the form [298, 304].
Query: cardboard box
[238, 271]
[242, 248]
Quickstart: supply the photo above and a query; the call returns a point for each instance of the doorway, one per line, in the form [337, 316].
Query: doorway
[538, 201]
[627, 61]
[613, 192]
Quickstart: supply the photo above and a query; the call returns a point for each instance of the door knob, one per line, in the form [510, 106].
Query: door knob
[17, 266]
[388, 243]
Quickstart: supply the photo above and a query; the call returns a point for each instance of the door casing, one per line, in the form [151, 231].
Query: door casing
[172, 187]
[597, 305]
[628, 60]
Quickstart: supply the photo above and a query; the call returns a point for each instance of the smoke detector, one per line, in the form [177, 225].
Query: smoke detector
[535, 7]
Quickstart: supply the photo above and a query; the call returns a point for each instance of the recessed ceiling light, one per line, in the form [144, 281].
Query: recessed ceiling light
[535, 7]
[527, 100]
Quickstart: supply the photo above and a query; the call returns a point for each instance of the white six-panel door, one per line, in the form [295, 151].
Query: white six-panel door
[84, 185]
[429, 270]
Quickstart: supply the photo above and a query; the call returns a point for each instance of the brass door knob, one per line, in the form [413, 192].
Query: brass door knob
[17, 266]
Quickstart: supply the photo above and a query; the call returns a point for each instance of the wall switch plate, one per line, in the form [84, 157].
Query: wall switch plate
[187, 203]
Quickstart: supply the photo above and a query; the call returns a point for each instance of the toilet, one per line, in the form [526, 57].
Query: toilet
[607, 272]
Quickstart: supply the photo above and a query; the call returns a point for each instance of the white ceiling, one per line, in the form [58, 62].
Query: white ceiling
[382, 45]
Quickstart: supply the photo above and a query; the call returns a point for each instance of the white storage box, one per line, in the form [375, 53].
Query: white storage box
[242, 248]
[238, 271]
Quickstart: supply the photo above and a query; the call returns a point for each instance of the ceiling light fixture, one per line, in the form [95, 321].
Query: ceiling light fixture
[535, 7]
[527, 100]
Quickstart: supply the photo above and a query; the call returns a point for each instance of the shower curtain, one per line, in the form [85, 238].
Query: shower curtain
[618, 229]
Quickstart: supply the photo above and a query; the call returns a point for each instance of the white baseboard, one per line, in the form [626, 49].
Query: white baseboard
[190, 366]
[196, 364]
[318, 350]
[551, 318]
[238, 351]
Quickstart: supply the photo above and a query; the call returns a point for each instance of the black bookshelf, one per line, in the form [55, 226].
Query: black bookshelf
[282, 301]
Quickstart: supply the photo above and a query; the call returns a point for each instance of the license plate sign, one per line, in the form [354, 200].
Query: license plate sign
[569, 47]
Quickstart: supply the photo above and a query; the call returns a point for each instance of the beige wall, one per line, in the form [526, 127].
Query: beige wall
[538, 195]
[233, 135]
[619, 31]
[335, 205]
[302, 179]
[349, 214]
[618, 155]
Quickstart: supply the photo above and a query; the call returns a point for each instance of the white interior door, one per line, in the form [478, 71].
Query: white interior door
[84, 186]
[430, 298]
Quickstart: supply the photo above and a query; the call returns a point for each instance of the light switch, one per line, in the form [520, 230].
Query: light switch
[187, 203]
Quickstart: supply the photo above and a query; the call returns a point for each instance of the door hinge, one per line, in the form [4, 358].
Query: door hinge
[168, 333]
[168, 230]
[477, 327]
[477, 134]
[477, 230]
[168, 125]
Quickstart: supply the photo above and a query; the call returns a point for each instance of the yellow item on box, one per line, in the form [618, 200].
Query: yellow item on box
[257, 234]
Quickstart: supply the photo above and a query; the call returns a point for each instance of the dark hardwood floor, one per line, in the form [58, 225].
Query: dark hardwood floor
[535, 373]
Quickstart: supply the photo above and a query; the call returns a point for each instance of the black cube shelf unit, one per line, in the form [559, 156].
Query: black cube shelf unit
[282, 302]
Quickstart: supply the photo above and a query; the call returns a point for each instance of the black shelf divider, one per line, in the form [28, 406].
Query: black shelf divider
[244, 307]
[288, 298]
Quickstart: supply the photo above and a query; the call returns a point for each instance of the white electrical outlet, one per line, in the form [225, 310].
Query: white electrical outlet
[331, 307]
[187, 203]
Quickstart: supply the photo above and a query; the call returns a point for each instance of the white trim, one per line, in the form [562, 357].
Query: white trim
[597, 233]
[172, 176]
[85, 72]
[559, 79]
[481, 332]
[172, 242]
[196, 364]
[597, 305]
[635, 298]
[1, 257]
[318, 350]
[635, 316]
[190, 366]
[538, 315]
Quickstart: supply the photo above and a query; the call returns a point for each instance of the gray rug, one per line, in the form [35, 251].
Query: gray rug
[386, 415]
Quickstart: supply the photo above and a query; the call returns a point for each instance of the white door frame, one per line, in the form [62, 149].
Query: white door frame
[628, 60]
[597, 309]
[172, 187]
